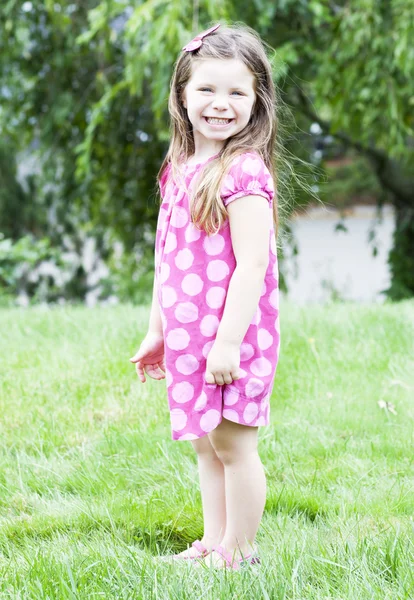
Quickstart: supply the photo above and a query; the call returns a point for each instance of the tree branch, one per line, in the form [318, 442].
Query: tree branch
[389, 171]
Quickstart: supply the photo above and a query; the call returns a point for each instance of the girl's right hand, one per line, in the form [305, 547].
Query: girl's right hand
[150, 358]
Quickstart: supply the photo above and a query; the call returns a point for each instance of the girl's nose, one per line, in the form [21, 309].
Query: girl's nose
[220, 103]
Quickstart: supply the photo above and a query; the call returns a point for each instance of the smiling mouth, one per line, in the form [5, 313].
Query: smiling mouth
[217, 121]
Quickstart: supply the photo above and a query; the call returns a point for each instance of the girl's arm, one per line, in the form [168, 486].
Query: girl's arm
[249, 219]
[155, 323]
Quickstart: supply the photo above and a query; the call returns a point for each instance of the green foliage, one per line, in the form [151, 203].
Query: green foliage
[350, 179]
[365, 72]
[86, 89]
[18, 262]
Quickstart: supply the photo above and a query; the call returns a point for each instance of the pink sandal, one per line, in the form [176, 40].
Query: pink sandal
[236, 563]
[202, 552]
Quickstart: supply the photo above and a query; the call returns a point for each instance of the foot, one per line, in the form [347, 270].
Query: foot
[198, 549]
[216, 560]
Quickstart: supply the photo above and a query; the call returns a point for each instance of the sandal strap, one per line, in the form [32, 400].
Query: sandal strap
[228, 557]
[200, 547]
[224, 554]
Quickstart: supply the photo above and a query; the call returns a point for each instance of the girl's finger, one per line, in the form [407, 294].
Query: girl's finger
[154, 372]
[140, 372]
[160, 373]
[136, 357]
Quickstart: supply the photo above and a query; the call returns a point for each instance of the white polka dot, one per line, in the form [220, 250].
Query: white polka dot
[201, 402]
[192, 234]
[230, 415]
[210, 420]
[183, 392]
[261, 367]
[186, 364]
[277, 325]
[215, 297]
[178, 419]
[179, 217]
[264, 338]
[230, 396]
[228, 185]
[161, 218]
[217, 270]
[213, 244]
[178, 339]
[186, 312]
[164, 272]
[275, 271]
[264, 402]
[254, 387]
[250, 412]
[274, 298]
[257, 316]
[168, 377]
[188, 436]
[170, 243]
[242, 373]
[246, 351]
[180, 196]
[256, 185]
[192, 284]
[209, 325]
[260, 422]
[184, 259]
[168, 189]
[251, 166]
[168, 296]
[207, 347]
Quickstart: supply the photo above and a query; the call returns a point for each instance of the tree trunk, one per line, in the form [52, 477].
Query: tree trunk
[398, 181]
[401, 257]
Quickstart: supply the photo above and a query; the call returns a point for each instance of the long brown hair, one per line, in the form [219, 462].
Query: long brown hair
[231, 42]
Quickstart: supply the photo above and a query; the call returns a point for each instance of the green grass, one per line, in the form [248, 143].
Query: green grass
[92, 487]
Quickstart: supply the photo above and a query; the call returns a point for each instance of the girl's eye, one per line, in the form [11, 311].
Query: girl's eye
[209, 89]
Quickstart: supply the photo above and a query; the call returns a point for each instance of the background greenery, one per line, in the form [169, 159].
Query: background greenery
[84, 128]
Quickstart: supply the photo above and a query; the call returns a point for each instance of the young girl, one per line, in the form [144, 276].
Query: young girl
[214, 324]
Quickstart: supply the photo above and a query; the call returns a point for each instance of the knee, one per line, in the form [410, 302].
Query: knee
[226, 456]
[204, 449]
[235, 455]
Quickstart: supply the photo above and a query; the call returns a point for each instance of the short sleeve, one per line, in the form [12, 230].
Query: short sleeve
[247, 175]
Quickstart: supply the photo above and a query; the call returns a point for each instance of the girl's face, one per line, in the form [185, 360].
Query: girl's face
[219, 98]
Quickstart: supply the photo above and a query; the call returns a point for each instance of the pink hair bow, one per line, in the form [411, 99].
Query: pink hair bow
[198, 40]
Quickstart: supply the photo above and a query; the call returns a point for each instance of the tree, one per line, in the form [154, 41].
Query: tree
[352, 70]
[89, 82]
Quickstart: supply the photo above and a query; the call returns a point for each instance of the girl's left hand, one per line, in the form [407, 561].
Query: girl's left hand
[223, 363]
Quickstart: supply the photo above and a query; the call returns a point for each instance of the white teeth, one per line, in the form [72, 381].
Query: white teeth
[218, 121]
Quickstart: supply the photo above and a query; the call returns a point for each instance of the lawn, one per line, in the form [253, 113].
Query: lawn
[92, 487]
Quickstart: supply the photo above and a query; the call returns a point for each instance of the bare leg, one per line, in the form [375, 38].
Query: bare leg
[236, 446]
[212, 486]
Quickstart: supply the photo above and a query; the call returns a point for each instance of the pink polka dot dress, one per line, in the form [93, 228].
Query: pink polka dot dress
[193, 272]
